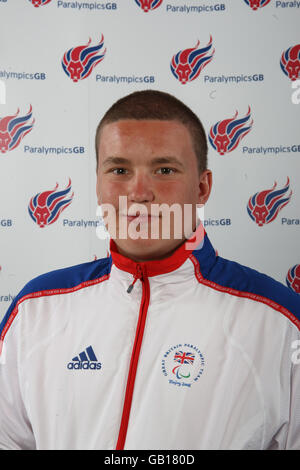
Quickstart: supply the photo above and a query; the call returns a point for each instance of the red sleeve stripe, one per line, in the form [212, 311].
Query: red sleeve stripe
[46, 293]
[249, 295]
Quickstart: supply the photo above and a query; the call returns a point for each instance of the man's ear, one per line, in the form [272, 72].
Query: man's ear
[205, 185]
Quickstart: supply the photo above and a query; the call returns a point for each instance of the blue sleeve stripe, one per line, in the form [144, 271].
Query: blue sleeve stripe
[62, 281]
[234, 279]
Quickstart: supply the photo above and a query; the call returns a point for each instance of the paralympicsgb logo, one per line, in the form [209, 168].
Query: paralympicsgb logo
[79, 62]
[264, 206]
[148, 5]
[187, 64]
[256, 4]
[290, 62]
[39, 3]
[44, 208]
[293, 278]
[13, 129]
[225, 135]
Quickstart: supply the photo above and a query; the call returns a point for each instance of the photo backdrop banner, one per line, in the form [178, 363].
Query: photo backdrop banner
[235, 63]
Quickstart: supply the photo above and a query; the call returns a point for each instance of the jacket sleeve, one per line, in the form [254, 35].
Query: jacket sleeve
[287, 436]
[15, 429]
[293, 434]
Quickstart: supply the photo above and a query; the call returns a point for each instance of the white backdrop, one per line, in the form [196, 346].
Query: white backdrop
[55, 142]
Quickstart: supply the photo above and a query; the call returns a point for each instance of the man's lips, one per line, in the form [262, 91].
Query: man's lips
[141, 217]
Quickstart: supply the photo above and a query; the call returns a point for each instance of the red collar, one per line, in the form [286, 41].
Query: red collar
[161, 266]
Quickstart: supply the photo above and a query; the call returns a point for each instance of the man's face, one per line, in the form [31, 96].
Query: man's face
[149, 162]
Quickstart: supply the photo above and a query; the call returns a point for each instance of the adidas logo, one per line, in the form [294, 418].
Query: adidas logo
[85, 360]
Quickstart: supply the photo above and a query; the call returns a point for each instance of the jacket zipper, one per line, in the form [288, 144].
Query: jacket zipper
[142, 275]
[138, 275]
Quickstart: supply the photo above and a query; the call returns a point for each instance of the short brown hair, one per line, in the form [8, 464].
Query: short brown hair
[153, 104]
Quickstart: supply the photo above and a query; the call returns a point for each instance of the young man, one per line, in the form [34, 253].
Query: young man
[163, 344]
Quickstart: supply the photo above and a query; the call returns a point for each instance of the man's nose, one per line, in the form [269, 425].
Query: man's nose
[140, 188]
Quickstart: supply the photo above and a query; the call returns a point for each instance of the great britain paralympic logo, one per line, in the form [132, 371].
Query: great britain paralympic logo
[187, 64]
[183, 364]
[264, 206]
[39, 3]
[225, 135]
[290, 62]
[44, 208]
[148, 5]
[79, 62]
[256, 4]
[13, 129]
[293, 278]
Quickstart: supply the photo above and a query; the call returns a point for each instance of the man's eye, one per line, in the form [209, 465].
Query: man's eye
[118, 171]
[166, 170]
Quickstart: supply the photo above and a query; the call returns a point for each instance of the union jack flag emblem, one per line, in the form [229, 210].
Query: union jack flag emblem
[184, 357]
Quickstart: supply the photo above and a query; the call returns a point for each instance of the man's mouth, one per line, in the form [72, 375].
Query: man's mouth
[141, 217]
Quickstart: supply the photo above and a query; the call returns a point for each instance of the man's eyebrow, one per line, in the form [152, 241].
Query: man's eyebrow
[166, 160]
[154, 161]
[116, 161]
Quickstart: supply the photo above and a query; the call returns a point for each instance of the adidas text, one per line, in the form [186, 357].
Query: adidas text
[84, 365]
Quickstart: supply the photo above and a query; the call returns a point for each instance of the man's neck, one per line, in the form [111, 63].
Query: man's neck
[151, 256]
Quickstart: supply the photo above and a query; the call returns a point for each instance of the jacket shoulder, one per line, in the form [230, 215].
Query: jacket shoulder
[242, 281]
[69, 277]
[56, 282]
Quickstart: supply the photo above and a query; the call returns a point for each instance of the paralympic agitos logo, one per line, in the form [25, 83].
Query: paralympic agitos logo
[183, 364]
[79, 62]
[225, 135]
[264, 206]
[186, 65]
[44, 208]
[13, 129]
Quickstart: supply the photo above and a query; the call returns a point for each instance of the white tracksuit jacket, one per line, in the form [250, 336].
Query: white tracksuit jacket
[197, 356]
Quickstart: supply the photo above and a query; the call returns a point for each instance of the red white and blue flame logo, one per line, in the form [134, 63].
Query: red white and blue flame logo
[187, 64]
[79, 62]
[225, 135]
[293, 278]
[290, 62]
[13, 129]
[147, 5]
[39, 3]
[264, 206]
[256, 4]
[44, 208]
